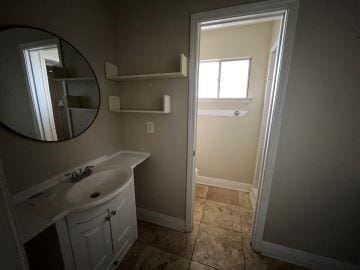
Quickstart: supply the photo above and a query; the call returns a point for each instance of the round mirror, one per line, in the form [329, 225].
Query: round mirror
[48, 90]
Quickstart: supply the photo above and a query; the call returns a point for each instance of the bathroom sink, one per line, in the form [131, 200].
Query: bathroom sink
[97, 188]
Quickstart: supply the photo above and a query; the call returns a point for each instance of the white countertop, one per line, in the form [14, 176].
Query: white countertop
[33, 216]
[129, 159]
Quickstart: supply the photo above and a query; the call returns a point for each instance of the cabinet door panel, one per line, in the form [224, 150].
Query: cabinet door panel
[122, 219]
[91, 243]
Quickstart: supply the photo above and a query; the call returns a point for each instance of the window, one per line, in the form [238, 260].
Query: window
[227, 79]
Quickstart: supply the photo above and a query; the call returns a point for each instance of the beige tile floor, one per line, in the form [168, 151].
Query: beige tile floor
[220, 239]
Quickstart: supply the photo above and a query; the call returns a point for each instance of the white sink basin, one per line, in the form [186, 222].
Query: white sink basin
[97, 188]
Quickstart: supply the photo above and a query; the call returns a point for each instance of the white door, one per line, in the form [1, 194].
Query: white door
[91, 243]
[122, 221]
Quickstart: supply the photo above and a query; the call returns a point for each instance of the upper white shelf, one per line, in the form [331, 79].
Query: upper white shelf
[111, 73]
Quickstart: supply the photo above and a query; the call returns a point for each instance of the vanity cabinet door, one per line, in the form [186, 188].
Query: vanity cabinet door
[91, 243]
[123, 217]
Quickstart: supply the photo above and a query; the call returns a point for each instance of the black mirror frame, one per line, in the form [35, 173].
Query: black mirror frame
[92, 70]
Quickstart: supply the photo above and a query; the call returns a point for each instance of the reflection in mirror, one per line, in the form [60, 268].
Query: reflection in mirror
[48, 90]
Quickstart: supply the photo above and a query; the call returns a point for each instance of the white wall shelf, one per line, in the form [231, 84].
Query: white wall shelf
[222, 113]
[114, 106]
[111, 73]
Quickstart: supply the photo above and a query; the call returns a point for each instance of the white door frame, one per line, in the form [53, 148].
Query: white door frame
[267, 98]
[288, 10]
[34, 56]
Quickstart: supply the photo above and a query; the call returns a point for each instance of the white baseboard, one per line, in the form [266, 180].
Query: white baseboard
[161, 219]
[302, 258]
[223, 183]
[253, 197]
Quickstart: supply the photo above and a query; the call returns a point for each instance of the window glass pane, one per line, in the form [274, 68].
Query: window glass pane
[208, 79]
[234, 78]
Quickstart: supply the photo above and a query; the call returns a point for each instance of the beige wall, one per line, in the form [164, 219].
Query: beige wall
[315, 195]
[159, 182]
[88, 25]
[315, 189]
[315, 192]
[227, 146]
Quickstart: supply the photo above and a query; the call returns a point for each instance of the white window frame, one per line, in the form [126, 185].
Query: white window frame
[221, 60]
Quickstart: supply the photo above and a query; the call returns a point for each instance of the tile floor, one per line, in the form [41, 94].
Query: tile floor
[220, 239]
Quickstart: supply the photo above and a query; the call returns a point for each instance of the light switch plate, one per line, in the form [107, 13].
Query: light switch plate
[150, 127]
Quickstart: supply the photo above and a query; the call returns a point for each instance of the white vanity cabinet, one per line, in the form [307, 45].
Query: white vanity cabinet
[91, 243]
[100, 237]
[123, 223]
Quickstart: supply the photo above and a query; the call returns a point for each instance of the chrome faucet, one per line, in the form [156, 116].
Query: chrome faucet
[76, 176]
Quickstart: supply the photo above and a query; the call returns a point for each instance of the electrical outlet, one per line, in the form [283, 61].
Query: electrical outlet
[150, 127]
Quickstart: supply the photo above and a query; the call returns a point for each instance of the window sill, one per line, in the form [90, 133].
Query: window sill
[205, 100]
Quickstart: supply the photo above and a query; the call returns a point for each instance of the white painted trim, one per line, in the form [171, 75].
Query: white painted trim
[282, 67]
[161, 219]
[216, 182]
[303, 258]
[253, 196]
[237, 23]
[192, 119]
[288, 10]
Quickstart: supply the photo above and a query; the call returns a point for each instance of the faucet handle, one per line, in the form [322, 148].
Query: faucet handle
[89, 169]
[71, 175]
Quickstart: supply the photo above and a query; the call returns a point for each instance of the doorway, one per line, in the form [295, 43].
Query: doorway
[37, 58]
[285, 12]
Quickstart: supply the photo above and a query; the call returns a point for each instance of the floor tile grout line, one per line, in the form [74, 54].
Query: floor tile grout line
[241, 226]
[242, 233]
[205, 264]
[148, 243]
[145, 244]
[243, 244]
[197, 236]
[202, 212]
[168, 252]
[223, 202]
